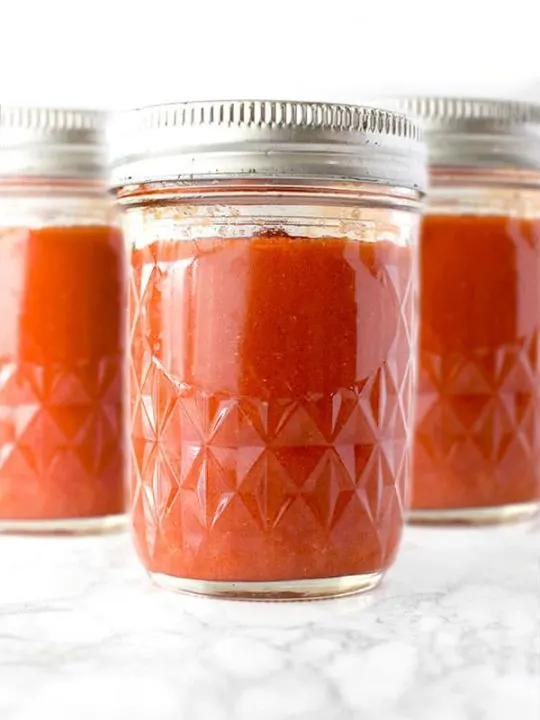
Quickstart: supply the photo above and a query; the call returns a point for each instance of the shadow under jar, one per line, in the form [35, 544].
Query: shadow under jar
[477, 449]
[62, 335]
[273, 270]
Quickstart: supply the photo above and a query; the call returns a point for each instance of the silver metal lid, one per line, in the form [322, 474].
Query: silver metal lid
[471, 132]
[52, 143]
[266, 139]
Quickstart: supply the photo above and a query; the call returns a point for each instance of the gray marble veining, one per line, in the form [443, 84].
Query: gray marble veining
[452, 634]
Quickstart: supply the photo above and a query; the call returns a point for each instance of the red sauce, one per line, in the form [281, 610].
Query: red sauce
[271, 393]
[61, 373]
[478, 434]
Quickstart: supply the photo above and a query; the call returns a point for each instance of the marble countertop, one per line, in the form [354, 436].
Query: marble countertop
[452, 634]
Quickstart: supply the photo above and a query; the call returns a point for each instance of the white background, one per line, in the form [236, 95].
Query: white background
[122, 53]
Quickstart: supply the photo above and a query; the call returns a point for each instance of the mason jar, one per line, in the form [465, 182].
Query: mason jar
[477, 449]
[273, 271]
[63, 331]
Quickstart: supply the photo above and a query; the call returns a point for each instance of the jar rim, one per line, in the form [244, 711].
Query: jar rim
[472, 132]
[266, 139]
[52, 142]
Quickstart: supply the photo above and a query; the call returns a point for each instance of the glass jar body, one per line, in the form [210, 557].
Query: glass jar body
[477, 442]
[272, 372]
[62, 359]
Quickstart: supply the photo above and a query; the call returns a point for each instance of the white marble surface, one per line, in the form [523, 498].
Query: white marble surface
[452, 634]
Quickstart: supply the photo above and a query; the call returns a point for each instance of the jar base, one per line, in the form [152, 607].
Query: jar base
[316, 589]
[496, 515]
[65, 526]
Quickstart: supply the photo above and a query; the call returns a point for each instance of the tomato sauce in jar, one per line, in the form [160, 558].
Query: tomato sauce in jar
[478, 433]
[272, 406]
[61, 366]
[477, 442]
[63, 296]
[272, 349]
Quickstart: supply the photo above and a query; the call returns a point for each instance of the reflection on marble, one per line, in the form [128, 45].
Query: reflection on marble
[452, 634]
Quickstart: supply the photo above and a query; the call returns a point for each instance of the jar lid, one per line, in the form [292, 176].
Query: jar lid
[52, 143]
[266, 139]
[472, 132]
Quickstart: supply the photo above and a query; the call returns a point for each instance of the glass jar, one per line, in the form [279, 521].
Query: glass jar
[62, 339]
[272, 329]
[477, 449]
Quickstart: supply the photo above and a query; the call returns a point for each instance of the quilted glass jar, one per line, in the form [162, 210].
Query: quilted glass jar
[62, 337]
[477, 449]
[272, 317]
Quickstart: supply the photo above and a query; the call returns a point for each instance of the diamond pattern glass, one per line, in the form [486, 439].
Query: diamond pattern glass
[478, 412]
[271, 387]
[62, 374]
